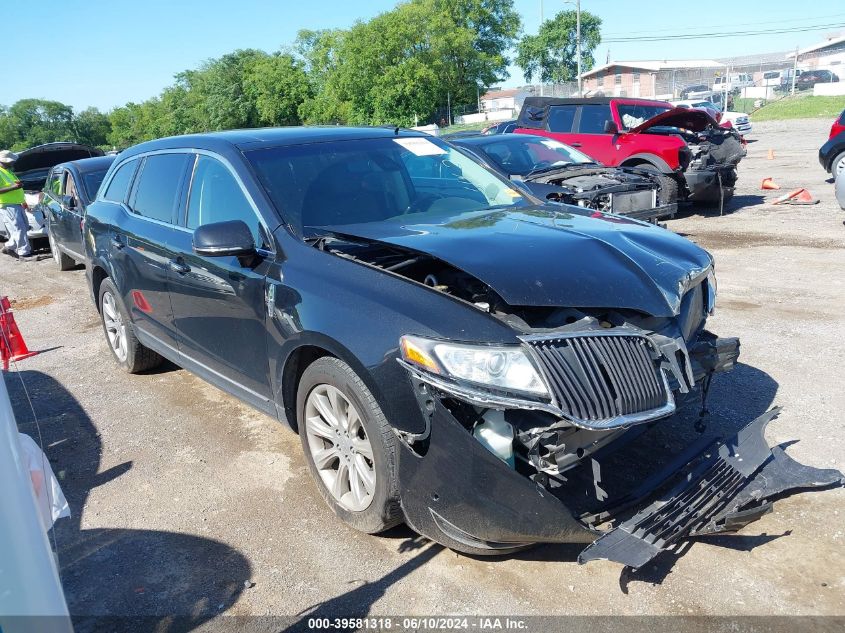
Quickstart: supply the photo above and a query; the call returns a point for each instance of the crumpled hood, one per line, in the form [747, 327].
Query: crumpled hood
[542, 256]
[687, 118]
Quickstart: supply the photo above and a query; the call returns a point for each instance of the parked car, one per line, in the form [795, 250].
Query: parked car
[786, 78]
[695, 158]
[740, 121]
[446, 346]
[696, 92]
[733, 82]
[505, 127]
[69, 189]
[810, 78]
[832, 155]
[554, 171]
[32, 167]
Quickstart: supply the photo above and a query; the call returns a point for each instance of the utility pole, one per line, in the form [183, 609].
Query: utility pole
[538, 32]
[449, 108]
[794, 70]
[578, 41]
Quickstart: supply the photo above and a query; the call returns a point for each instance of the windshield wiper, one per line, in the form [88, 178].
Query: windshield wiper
[543, 170]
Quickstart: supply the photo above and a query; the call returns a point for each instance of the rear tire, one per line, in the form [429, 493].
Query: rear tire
[127, 350]
[62, 261]
[342, 426]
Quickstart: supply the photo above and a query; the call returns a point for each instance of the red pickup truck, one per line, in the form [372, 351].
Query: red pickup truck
[695, 158]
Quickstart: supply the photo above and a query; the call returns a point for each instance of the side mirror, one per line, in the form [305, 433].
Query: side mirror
[69, 202]
[610, 127]
[224, 239]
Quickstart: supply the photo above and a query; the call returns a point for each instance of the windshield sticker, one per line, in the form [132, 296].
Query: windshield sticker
[420, 146]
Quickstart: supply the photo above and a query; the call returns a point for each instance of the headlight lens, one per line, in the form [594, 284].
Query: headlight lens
[506, 368]
[711, 291]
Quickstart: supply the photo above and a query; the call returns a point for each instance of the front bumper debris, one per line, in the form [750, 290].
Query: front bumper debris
[721, 490]
[708, 184]
[459, 494]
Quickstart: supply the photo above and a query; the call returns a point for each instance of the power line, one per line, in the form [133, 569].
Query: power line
[756, 23]
[698, 36]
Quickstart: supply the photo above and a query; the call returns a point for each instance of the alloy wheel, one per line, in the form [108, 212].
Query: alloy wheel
[115, 327]
[340, 448]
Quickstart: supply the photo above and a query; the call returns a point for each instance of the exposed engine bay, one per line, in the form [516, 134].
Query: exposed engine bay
[623, 191]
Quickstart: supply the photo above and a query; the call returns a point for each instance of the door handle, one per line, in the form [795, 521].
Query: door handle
[180, 268]
[118, 243]
[575, 144]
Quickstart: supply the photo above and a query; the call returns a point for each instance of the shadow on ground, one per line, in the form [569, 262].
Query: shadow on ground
[120, 579]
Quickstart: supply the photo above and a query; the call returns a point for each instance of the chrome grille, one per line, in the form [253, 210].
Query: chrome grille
[598, 379]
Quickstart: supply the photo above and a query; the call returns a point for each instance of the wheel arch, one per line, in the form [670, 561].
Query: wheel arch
[638, 160]
[297, 355]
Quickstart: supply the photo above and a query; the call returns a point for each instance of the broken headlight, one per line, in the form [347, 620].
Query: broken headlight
[506, 368]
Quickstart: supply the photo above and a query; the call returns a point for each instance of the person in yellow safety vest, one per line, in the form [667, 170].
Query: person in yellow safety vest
[12, 204]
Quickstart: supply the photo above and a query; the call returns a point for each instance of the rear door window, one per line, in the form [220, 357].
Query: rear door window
[593, 118]
[159, 186]
[119, 185]
[561, 118]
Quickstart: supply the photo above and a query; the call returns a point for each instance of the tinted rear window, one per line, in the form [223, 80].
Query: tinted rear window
[119, 185]
[159, 186]
[561, 118]
[593, 118]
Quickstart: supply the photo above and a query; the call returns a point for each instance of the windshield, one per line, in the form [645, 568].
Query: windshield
[706, 104]
[633, 115]
[523, 154]
[373, 180]
[93, 180]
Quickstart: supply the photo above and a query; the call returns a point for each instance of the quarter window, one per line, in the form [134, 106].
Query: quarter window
[119, 185]
[159, 186]
[216, 196]
[561, 118]
[593, 118]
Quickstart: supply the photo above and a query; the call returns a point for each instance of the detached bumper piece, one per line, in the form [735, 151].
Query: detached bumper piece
[725, 488]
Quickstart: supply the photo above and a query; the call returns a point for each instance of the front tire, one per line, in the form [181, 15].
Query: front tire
[349, 446]
[127, 350]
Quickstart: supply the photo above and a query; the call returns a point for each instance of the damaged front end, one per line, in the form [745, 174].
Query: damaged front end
[630, 192]
[551, 438]
[712, 152]
[498, 469]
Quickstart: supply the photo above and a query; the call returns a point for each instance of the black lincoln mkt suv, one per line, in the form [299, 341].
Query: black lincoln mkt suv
[453, 352]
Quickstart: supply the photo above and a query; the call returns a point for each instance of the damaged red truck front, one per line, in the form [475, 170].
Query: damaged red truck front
[695, 158]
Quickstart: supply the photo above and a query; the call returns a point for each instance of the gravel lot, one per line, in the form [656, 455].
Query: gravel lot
[187, 502]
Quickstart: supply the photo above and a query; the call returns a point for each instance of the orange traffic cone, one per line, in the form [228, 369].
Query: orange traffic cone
[771, 155]
[768, 183]
[12, 345]
[797, 196]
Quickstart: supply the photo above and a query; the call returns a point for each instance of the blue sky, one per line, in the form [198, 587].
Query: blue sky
[105, 53]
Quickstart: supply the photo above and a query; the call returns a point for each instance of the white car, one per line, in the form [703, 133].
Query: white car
[733, 82]
[740, 121]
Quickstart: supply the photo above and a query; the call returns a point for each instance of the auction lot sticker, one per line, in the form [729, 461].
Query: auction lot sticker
[420, 146]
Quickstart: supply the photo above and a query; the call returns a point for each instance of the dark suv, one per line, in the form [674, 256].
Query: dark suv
[694, 157]
[453, 353]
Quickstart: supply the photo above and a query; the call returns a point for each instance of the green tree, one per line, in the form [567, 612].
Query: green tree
[91, 127]
[32, 122]
[550, 56]
[276, 85]
[405, 63]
